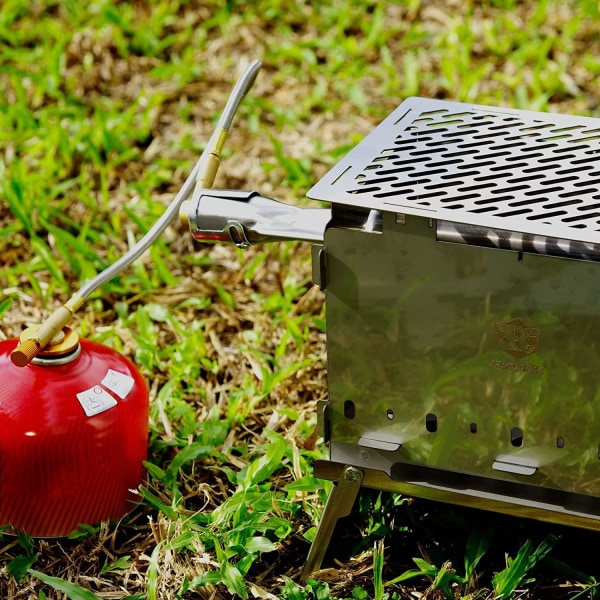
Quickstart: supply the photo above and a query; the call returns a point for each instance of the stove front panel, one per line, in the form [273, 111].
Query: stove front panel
[463, 367]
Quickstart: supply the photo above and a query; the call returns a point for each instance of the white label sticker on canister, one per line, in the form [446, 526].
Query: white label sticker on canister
[95, 400]
[119, 383]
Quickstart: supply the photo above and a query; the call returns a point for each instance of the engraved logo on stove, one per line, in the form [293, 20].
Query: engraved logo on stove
[516, 337]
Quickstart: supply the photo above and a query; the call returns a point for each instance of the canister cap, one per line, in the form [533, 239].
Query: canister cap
[64, 343]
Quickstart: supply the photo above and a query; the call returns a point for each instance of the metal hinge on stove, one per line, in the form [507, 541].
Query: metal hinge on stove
[319, 273]
[323, 423]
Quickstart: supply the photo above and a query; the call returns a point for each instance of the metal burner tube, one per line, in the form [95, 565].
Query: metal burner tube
[247, 218]
[475, 235]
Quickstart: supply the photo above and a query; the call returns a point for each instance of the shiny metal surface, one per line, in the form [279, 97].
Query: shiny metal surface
[501, 239]
[339, 504]
[509, 169]
[456, 367]
[247, 218]
[525, 508]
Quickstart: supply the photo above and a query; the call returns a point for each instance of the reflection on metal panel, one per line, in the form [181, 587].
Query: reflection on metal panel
[501, 239]
[460, 359]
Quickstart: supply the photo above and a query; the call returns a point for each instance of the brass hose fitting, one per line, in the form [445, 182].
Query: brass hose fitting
[28, 348]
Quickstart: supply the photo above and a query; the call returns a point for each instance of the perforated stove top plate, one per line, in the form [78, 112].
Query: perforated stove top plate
[508, 169]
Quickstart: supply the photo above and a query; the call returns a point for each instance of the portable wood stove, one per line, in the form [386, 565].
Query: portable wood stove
[458, 261]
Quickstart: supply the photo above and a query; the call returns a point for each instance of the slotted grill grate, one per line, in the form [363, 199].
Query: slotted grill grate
[509, 169]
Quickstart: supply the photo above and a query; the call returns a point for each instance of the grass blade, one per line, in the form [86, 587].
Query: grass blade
[233, 580]
[72, 590]
[378, 561]
[506, 581]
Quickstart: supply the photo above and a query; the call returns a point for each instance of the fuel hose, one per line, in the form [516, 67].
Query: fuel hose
[202, 175]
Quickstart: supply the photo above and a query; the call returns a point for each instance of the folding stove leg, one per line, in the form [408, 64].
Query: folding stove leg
[339, 504]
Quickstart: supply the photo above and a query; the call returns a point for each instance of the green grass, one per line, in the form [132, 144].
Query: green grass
[106, 106]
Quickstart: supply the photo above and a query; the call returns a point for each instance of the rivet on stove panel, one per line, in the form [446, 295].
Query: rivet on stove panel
[560, 442]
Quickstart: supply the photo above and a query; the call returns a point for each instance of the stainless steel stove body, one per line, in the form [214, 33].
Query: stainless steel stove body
[463, 317]
[460, 267]
[463, 368]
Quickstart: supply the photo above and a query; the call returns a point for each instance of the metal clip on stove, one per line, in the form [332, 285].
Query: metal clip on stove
[459, 263]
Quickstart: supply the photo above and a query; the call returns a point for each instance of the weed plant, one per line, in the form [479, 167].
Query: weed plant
[105, 107]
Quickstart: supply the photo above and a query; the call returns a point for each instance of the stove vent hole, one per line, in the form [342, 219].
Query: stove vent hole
[431, 423]
[516, 437]
[349, 409]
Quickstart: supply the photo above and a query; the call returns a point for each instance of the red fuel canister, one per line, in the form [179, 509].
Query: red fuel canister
[74, 426]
